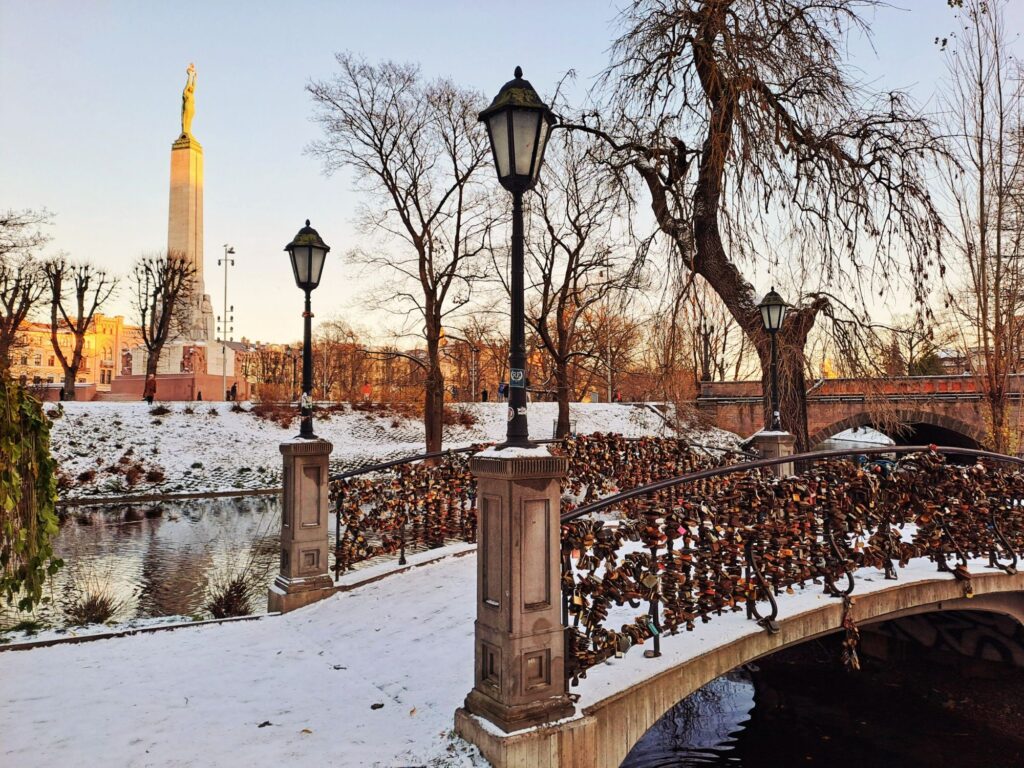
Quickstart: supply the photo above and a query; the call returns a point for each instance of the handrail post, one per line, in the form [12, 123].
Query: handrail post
[776, 444]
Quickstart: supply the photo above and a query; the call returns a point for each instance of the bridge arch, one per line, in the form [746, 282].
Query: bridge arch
[927, 427]
[610, 726]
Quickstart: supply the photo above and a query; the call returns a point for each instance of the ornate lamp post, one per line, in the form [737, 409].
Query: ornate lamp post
[308, 253]
[518, 124]
[773, 311]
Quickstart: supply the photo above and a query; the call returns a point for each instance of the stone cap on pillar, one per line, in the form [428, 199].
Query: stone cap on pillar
[518, 463]
[300, 446]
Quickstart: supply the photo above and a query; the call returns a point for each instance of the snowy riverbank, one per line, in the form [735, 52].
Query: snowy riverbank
[112, 449]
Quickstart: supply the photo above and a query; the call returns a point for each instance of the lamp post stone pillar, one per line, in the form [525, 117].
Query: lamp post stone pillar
[304, 576]
[771, 444]
[519, 670]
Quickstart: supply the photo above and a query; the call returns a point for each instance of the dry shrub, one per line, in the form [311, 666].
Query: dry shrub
[159, 410]
[88, 476]
[231, 596]
[460, 415]
[282, 414]
[95, 603]
[132, 475]
[155, 475]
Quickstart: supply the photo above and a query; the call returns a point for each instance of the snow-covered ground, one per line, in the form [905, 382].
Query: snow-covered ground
[370, 677]
[216, 449]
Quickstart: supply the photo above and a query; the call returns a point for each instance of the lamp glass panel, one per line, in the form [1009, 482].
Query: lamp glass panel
[318, 256]
[524, 137]
[766, 318]
[293, 257]
[542, 142]
[498, 128]
[782, 314]
[301, 259]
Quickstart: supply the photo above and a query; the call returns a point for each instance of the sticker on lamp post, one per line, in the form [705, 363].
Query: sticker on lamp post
[517, 378]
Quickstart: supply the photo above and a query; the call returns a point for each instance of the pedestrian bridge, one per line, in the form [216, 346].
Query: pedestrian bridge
[622, 698]
[945, 410]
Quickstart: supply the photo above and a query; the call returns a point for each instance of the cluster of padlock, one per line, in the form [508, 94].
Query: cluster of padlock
[416, 505]
[736, 541]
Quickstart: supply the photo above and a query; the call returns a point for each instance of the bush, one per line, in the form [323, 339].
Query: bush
[236, 407]
[188, 409]
[155, 475]
[87, 477]
[231, 597]
[460, 415]
[159, 410]
[28, 495]
[94, 604]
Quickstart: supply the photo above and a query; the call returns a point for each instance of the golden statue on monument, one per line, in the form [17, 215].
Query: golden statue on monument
[188, 103]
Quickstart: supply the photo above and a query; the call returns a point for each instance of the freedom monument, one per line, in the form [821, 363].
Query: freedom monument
[187, 369]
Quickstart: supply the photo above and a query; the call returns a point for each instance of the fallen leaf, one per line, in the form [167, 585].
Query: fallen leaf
[306, 730]
[412, 711]
[264, 724]
[377, 705]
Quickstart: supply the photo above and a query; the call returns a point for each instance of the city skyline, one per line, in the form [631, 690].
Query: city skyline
[92, 124]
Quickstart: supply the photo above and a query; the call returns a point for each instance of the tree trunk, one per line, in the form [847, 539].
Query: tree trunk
[792, 382]
[433, 405]
[562, 389]
[151, 363]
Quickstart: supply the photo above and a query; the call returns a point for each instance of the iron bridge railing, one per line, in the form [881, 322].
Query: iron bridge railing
[427, 500]
[733, 538]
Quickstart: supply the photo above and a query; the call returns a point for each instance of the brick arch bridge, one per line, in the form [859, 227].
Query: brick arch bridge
[611, 722]
[948, 410]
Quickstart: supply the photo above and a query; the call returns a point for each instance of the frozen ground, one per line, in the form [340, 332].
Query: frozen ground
[370, 677]
[215, 449]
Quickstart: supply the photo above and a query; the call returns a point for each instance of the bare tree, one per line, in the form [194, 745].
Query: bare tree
[415, 148]
[575, 261]
[21, 281]
[752, 138]
[77, 291]
[162, 288]
[985, 107]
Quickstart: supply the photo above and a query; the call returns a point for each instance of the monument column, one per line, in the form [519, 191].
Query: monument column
[185, 211]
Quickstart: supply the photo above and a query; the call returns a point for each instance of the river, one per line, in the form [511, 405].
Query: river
[802, 708]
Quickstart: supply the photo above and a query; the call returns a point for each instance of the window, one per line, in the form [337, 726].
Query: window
[24, 359]
[50, 361]
[39, 358]
[49, 379]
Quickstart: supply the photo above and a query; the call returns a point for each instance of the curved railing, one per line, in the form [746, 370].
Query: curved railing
[385, 508]
[731, 538]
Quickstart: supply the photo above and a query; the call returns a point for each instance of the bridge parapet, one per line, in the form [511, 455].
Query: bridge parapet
[723, 546]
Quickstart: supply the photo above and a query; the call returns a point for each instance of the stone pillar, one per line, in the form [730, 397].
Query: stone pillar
[304, 577]
[770, 445]
[519, 670]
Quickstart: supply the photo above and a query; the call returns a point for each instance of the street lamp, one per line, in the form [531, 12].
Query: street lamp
[773, 312]
[518, 124]
[229, 317]
[308, 253]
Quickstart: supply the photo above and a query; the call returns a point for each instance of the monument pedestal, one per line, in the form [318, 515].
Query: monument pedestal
[519, 669]
[303, 578]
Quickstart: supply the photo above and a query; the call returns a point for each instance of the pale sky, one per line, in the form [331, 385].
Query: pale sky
[91, 99]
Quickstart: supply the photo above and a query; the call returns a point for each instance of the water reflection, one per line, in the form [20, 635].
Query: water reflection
[160, 559]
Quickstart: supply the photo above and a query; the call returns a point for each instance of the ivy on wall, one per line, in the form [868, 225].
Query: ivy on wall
[28, 495]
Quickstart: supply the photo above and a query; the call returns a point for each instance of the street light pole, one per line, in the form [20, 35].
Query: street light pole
[308, 252]
[228, 251]
[518, 125]
[773, 311]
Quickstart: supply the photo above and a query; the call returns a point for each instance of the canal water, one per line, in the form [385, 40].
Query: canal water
[804, 709]
[160, 559]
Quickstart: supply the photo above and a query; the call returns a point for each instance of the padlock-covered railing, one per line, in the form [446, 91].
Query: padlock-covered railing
[427, 500]
[663, 558]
